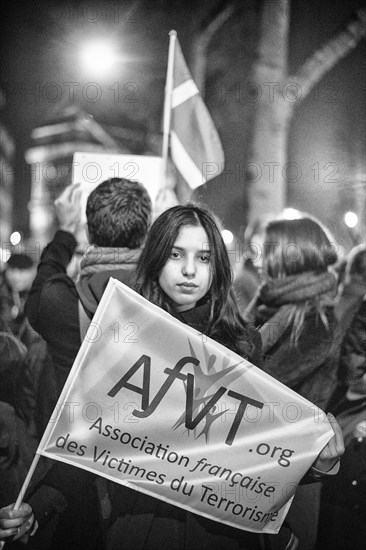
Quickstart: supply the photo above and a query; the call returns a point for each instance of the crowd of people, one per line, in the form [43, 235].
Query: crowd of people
[288, 311]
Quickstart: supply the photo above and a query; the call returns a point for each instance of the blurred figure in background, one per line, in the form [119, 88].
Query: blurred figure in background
[17, 445]
[294, 307]
[15, 450]
[294, 310]
[353, 288]
[343, 504]
[350, 310]
[246, 277]
[16, 281]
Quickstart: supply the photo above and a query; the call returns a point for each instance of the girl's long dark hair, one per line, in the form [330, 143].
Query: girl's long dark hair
[225, 322]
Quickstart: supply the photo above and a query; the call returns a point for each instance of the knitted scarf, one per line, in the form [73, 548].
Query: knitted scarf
[284, 302]
[98, 258]
[97, 266]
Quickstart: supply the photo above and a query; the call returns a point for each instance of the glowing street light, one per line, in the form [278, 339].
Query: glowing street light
[227, 236]
[15, 238]
[351, 219]
[291, 214]
[98, 57]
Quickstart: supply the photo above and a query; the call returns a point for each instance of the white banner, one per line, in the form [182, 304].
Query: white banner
[155, 405]
[90, 169]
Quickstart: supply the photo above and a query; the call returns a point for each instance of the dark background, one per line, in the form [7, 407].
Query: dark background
[38, 57]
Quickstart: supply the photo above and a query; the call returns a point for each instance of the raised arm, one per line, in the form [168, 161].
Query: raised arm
[58, 253]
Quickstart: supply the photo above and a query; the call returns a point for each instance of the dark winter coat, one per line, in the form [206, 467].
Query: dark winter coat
[343, 510]
[308, 367]
[15, 444]
[352, 368]
[348, 301]
[52, 305]
[342, 522]
[305, 357]
[52, 308]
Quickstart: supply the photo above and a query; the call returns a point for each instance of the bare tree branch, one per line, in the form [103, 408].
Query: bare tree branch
[208, 28]
[327, 56]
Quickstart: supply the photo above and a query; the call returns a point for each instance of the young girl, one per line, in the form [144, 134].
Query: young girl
[184, 268]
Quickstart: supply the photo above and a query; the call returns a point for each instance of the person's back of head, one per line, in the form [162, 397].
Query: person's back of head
[297, 254]
[118, 214]
[297, 246]
[19, 272]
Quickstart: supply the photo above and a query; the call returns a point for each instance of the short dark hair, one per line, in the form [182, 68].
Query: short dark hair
[118, 213]
[20, 261]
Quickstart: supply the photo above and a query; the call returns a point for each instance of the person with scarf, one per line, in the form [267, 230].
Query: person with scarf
[343, 505]
[294, 312]
[118, 214]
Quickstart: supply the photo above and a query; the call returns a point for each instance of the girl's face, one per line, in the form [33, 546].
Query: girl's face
[187, 275]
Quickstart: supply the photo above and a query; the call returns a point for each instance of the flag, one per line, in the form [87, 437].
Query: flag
[152, 404]
[195, 145]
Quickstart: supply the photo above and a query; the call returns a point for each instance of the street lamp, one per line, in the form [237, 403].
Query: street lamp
[98, 57]
[351, 219]
[227, 236]
[291, 214]
[15, 238]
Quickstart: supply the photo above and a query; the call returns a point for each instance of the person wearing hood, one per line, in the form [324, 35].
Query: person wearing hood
[118, 214]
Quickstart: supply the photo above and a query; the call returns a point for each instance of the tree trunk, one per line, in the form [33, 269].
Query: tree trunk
[277, 94]
[267, 164]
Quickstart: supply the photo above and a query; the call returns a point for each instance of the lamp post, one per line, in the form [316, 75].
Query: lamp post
[351, 222]
[98, 57]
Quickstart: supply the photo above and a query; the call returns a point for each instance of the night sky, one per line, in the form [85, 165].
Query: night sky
[38, 62]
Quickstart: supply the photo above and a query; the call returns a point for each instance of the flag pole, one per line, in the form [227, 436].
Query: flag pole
[27, 481]
[168, 104]
[23, 490]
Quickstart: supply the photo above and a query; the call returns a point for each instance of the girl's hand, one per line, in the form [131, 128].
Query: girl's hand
[16, 523]
[334, 449]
